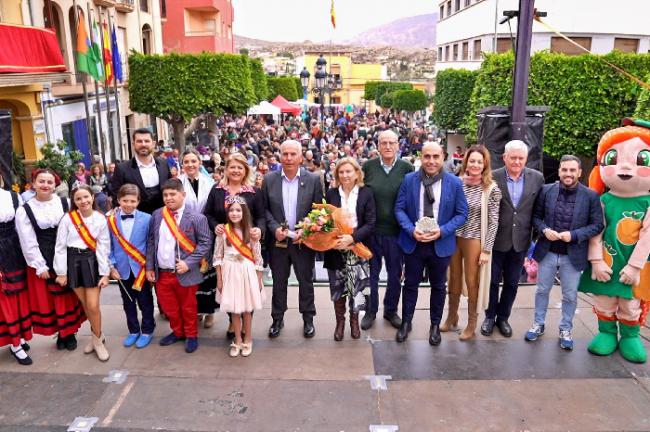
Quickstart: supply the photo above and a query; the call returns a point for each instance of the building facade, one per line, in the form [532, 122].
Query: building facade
[466, 28]
[194, 26]
[60, 102]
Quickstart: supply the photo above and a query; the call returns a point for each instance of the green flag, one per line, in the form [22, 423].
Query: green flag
[95, 54]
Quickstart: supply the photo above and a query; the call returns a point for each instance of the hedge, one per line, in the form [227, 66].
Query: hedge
[642, 110]
[179, 87]
[370, 90]
[586, 97]
[298, 84]
[452, 98]
[284, 86]
[384, 88]
[258, 77]
[409, 100]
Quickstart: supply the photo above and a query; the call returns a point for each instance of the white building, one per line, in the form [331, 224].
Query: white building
[468, 27]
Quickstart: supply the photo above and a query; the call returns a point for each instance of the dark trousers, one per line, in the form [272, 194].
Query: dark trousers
[281, 260]
[506, 266]
[424, 256]
[385, 247]
[142, 299]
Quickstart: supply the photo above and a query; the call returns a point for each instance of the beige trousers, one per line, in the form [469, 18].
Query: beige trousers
[465, 262]
[625, 311]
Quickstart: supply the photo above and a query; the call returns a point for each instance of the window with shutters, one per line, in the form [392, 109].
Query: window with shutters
[627, 45]
[561, 45]
[476, 55]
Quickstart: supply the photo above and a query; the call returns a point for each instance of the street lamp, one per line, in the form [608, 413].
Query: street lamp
[323, 83]
[304, 81]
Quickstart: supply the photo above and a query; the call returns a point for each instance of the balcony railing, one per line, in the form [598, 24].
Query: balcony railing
[125, 5]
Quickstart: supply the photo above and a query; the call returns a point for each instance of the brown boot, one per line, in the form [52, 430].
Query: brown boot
[469, 331]
[452, 314]
[339, 311]
[355, 332]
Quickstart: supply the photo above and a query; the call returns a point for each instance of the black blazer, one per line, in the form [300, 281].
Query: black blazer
[366, 218]
[128, 172]
[215, 208]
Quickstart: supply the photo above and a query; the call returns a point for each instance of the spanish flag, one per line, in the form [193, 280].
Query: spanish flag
[108, 57]
[333, 15]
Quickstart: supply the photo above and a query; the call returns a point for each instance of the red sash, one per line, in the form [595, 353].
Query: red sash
[82, 230]
[185, 243]
[239, 244]
[133, 252]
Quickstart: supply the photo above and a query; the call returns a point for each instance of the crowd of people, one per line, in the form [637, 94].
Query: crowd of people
[199, 229]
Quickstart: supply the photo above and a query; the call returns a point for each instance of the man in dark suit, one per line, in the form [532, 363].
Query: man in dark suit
[178, 240]
[429, 192]
[520, 187]
[567, 214]
[144, 171]
[289, 194]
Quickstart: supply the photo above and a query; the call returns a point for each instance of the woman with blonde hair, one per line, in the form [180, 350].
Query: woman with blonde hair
[237, 180]
[474, 241]
[349, 275]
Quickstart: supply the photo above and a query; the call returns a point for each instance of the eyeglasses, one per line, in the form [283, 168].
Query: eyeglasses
[387, 143]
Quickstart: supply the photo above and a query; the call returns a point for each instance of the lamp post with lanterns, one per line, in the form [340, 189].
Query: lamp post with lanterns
[324, 83]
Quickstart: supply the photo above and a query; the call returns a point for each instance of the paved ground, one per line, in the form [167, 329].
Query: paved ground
[293, 384]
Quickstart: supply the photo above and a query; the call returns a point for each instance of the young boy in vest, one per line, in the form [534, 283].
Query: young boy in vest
[179, 238]
[129, 230]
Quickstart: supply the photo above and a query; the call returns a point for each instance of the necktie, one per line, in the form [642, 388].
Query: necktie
[127, 216]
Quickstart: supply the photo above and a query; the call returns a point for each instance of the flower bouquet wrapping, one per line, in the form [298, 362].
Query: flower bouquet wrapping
[322, 226]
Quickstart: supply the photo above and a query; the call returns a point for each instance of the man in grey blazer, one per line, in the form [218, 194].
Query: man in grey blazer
[289, 195]
[520, 187]
[175, 248]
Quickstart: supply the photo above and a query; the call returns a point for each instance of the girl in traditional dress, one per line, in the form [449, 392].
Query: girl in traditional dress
[15, 319]
[81, 260]
[239, 274]
[55, 308]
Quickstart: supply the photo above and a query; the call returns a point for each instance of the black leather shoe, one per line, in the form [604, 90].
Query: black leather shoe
[504, 328]
[434, 335]
[368, 320]
[60, 342]
[71, 343]
[309, 330]
[394, 319]
[487, 327]
[403, 332]
[276, 327]
[25, 361]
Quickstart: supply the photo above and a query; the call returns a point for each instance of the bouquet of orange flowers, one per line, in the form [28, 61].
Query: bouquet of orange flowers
[322, 227]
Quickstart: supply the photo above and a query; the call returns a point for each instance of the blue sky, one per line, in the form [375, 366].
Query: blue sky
[298, 20]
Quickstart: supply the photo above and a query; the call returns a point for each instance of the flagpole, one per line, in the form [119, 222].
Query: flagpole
[98, 102]
[83, 82]
[115, 93]
[107, 89]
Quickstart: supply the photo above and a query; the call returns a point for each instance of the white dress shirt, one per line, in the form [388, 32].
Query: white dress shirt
[167, 243]
[67, 236]
[47, 215]
[7, 212]
[437, 190]
[350, 204]
[149, 173]
[127, 224]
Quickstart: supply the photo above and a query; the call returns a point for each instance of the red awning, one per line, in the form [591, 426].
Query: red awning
[29, 49]
[285, 106]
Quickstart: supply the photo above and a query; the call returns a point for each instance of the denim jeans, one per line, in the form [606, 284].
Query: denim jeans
[550, 265]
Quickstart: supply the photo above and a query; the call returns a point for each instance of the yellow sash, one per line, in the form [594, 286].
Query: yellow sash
[130, 250]
[82, 230]
[185, 243]
[239, 244]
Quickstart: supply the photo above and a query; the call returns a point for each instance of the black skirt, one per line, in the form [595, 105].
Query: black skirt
[83, 271]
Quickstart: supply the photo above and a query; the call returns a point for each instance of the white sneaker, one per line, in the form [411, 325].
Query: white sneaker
[235, 350]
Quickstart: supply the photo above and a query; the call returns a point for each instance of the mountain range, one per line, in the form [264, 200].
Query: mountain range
[416, 32]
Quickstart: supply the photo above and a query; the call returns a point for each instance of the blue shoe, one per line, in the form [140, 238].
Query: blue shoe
[169, 339]
[191, 345]
[143, 340]
[131, 339]
[534, 332]
[566, 340]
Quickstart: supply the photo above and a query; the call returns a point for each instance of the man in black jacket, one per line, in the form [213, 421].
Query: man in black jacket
[520, 187]
[144, 171]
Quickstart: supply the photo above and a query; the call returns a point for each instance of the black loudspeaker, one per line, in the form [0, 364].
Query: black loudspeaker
[494, 132]
[6, 147]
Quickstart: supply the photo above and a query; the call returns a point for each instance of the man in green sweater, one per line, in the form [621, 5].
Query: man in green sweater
[384, 175]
